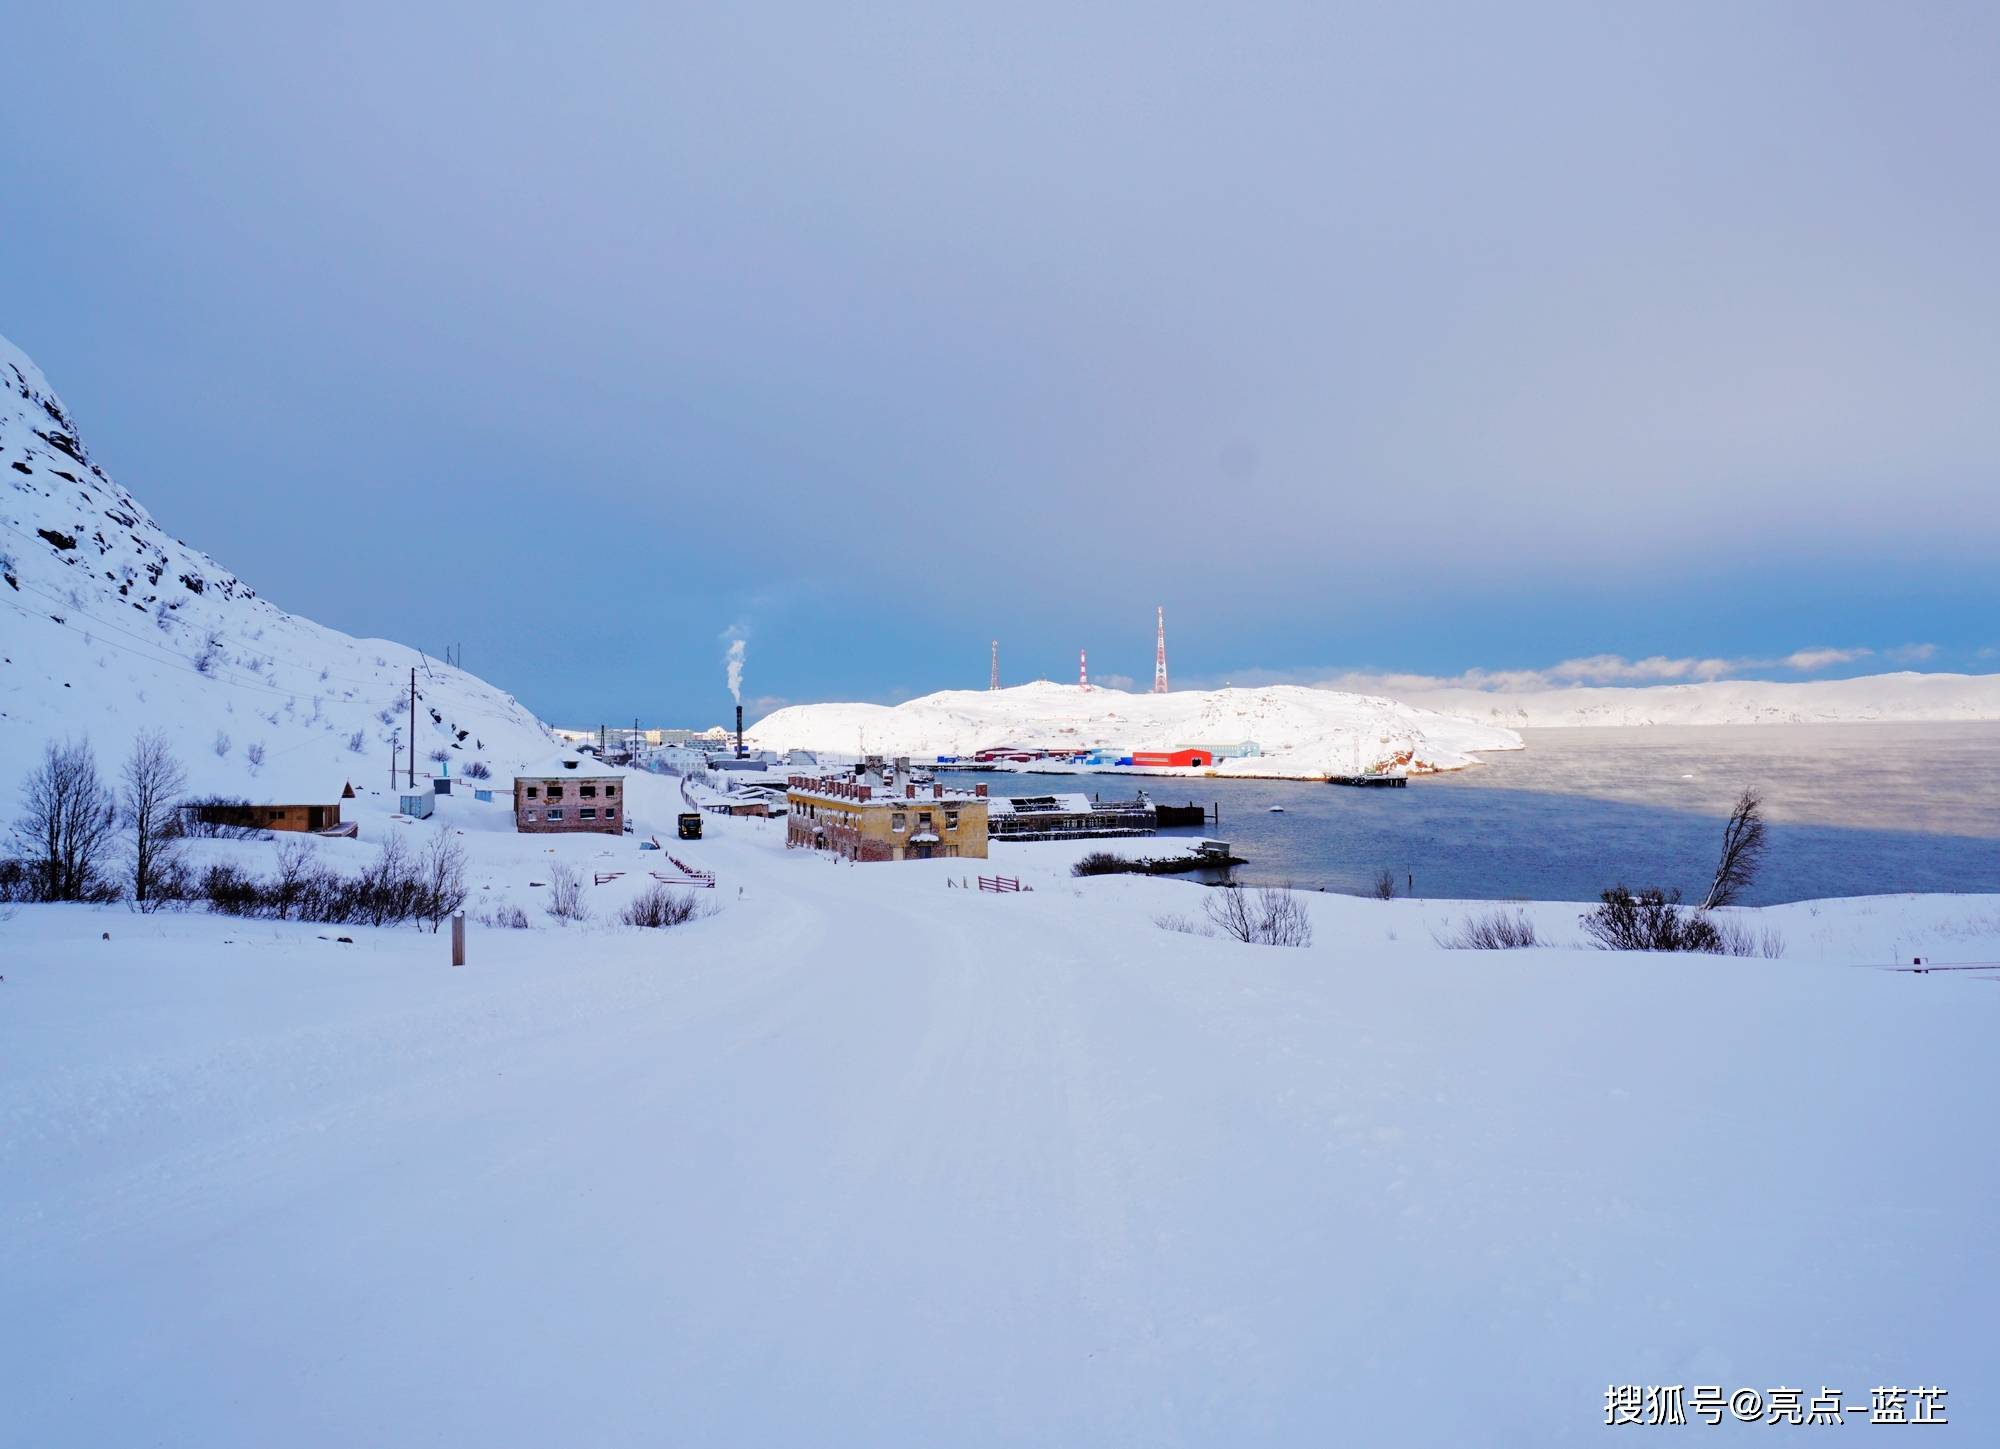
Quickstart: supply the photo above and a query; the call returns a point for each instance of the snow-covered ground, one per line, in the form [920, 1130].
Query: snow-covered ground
[1301, 733]
[1904, 697]
[867, 1158]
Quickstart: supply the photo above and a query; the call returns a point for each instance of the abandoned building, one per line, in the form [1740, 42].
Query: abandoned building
[206, 816]
[884, 816]
[1069, 817]
[569, 793]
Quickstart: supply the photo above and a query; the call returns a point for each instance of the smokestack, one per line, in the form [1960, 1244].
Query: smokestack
[739, 732]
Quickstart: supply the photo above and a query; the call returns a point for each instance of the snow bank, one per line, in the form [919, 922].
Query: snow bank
[1301, 733]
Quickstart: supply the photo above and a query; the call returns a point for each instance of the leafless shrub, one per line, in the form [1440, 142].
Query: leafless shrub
[1739, 940]
[254, 753]
[661, 907]
[1742, 851]
[222, 743]
[1186, 925]
[1101, 862]
[217, 817]
[509, 918]
[1384, 887]
[357, 742]
[65, 829]
[152, 783]
[566, 893]
[477, 770]
[1267, 916]
[1494, 931]
[441, 875]
[1652, 920]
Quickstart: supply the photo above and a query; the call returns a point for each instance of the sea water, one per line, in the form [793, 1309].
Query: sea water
[1859, 809]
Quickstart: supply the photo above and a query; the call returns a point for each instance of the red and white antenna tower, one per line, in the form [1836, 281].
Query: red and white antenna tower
[1082, 669]
[994, 682]
[1160, 655]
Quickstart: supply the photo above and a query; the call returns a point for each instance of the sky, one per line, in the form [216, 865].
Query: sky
[1533, 342]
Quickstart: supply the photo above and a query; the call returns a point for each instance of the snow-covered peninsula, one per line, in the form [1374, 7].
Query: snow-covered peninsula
[1905, 697]
[1281, 731]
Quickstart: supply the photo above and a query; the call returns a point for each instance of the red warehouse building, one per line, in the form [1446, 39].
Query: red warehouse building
[1177, 759]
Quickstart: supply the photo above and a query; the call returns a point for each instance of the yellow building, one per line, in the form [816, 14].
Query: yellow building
[884, 817]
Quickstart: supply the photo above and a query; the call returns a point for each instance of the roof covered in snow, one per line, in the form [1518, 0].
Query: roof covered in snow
[568, 767]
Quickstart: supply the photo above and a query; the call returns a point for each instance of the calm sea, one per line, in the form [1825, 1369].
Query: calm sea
[1854, 810]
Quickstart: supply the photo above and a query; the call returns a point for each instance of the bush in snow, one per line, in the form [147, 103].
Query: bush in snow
[477, 770]
[441, 871]
[222, 743]
[662, 907]
[357, 742]
[1495, 931]
[1265, 917]
[439, 755]
[1186, 925]
[63, 837]
[1101, 862]
[566, 893]
[254, 753]
[394, 888]
[1384, 886]
[1739, 940]
[1652, 920]
[209, 655]
[509, 918]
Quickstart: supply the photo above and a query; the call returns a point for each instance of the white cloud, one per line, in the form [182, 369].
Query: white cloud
[1809, 661]
[1616, 669]
[1911, 653]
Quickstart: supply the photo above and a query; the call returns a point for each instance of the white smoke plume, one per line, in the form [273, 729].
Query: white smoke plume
[736, 670]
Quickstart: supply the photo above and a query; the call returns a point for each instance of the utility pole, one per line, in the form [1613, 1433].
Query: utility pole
[1083, 669]
[1160, 654]
[994, 682]
[413, 729]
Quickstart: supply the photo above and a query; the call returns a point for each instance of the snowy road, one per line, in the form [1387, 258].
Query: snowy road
[881, 1164]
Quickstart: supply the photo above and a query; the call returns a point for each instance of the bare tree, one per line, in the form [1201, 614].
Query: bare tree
[153, 782]
[1384, 888]
[298, 867]
[1229, 908]
[441, 873]
[1742, 851]
[67, 823]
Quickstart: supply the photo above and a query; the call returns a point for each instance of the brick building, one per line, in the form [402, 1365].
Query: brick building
[884, 816]
[569, 793]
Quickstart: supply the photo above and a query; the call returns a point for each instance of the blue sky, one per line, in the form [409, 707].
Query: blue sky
[1379, 340]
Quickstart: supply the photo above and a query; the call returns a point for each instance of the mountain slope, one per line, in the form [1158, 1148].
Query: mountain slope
[108, 625]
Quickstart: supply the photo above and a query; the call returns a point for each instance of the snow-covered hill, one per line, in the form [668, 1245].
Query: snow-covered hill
[1903, 697]
[1300, 732]
[108, 625]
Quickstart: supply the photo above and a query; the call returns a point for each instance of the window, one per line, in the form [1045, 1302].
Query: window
[589, 792]
[924, 819]
[951, 820]
[899, 822]
[555, 815]
[610, 791]
[611, 812]
[531, 815]
[532, 792]
[587, 813]
[555, 792]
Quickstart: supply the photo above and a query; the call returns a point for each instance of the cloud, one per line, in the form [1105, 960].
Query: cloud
[1910, 653]
[1112, 681]
[1616, 669]
[1810, 661]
